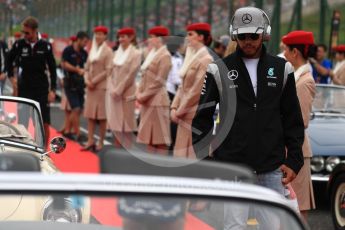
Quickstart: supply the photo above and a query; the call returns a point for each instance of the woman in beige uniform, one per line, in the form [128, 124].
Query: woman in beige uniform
[154, 127]
[98, 67]
[192, 73]
[120, 97]
[299, 47]
[338, 73]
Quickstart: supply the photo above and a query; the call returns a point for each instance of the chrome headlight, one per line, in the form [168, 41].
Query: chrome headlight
[331, 162]
[61, 210]
[317, 164]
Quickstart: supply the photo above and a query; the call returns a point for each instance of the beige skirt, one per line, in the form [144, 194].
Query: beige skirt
[95, 104]
[184, 143]
[303, 187]
[154, 126]
[120, 114]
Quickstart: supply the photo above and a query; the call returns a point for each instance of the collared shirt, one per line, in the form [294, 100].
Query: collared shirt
[174, 79]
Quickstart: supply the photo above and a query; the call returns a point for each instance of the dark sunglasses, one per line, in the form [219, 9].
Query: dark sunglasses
[243, 37]
[25, 32]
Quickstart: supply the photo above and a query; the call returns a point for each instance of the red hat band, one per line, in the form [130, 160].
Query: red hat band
[199, 26]
[102, 29]
[73, 38]
[298, 37]
[126, 31]
[340, 48]
[159, 31]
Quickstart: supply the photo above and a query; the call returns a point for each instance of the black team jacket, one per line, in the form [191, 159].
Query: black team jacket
[34, 62]
[265, 130]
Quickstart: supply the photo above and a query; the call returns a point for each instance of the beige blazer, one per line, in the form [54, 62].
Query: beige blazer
[154, 127]
[152, 88]
[186, 103]
[120, 98]
[188, 95]
[306, 90]
[98, 71]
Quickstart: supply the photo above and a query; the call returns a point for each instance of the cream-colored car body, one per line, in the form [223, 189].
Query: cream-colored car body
[31, 208]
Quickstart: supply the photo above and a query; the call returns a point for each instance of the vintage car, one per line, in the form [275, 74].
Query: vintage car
[157, 193]
[327, 138]
[22, 140]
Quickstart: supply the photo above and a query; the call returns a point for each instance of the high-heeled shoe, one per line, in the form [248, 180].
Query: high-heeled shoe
[91, 147]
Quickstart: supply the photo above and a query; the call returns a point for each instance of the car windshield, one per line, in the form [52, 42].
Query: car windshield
[329, 99]
[125, 211]
[20, 123]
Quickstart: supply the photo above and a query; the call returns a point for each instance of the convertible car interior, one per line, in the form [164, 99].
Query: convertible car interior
[119, 161]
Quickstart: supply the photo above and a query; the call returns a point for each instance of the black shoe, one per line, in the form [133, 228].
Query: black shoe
[89, 148]
[80, 139]
[70, 136]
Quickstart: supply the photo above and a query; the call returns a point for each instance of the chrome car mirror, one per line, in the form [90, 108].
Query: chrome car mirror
[57, 145]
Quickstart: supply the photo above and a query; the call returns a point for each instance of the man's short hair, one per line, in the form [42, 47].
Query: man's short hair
[323, 46]
[30, 22]
[82, 35]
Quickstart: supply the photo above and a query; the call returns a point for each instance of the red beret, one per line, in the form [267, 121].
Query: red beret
[44, 35]
[199, 26]
[17, 34]
[73, 38]
[159, 31]
[340, 48]
[102, 29]
[298, 37]
[126, 31]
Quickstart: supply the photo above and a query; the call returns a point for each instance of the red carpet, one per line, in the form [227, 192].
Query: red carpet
[103, 209]
[74, 160]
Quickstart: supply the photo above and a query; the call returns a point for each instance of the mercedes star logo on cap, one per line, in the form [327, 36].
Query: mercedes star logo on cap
[233, 75]
[246, 18]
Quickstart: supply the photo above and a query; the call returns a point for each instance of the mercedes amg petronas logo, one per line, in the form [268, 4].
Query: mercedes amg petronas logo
[246, 18]
[233, 75]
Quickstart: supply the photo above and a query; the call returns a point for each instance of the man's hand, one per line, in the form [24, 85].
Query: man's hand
[81, 71]
[173, 116]
[2, 76]
[51, 96]
[15, 92]
[288, 174]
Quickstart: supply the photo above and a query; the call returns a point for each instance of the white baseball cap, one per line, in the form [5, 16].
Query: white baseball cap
[248, 20]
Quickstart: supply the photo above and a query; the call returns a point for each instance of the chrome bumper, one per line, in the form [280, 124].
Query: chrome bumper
[320, 177]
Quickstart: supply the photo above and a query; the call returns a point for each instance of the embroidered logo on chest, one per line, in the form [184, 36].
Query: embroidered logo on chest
[233, 75]
[270, 73]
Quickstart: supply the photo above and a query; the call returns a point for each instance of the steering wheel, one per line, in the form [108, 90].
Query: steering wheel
[11, 127]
